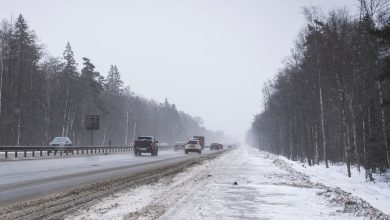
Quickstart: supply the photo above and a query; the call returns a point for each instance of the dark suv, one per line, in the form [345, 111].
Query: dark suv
[145, 144]
[216, 146]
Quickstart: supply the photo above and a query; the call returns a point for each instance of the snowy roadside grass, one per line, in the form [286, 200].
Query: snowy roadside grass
[376, 194]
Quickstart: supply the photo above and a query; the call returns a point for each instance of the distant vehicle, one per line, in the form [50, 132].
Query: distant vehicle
[179, 146]
[145, 144]
[60, 141]
[163, 145]
[201, 140]
[193, 145]
[216, 146]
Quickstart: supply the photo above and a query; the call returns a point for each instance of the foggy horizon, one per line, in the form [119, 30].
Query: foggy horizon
[209, 58]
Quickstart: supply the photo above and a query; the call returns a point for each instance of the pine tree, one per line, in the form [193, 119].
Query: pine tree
[113, 82]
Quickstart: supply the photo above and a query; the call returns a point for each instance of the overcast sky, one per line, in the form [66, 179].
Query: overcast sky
[209, 57]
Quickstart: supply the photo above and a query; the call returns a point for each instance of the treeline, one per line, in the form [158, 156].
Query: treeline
[42, 97]
[330, 102]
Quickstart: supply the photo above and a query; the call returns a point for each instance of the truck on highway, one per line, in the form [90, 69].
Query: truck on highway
[145, 144]
[201, 140]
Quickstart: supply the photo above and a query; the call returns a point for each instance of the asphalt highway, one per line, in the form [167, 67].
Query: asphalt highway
[27, 179]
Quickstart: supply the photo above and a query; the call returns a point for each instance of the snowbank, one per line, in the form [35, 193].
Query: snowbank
[377, 194]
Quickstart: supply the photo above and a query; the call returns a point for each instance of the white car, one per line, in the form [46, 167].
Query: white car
[61, 141]
[193, 145]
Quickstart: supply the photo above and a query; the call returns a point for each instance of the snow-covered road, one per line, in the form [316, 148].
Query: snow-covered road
[25, 179]
[206, 191]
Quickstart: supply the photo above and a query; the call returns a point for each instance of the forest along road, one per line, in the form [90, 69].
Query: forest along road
[27, 179]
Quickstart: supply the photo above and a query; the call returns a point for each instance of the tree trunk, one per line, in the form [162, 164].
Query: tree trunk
[323, 124]
[19, 100]
[354, 135]
[316, 151]
[1, 76]
[134, 131]
[127, 126]
[104, 136]
[308, 145]
[344, 123]
[64, 121]
[364, 143]
[47, 113]
[383, 120]
[346, 146]
[18, 129]
[291, 140]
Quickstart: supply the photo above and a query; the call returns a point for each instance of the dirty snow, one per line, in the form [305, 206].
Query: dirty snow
[206, 191]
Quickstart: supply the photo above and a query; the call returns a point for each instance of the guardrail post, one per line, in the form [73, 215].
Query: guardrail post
[82, 151]
[77, 151]
[6, 154]
[60, 152]
[40, 153]
[33, 153]
[48, 153]
[25, 153]
[72, 152]
[16, 154]
[95, 150]
[55, 153]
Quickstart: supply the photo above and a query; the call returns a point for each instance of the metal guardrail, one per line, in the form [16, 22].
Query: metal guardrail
[68, 150]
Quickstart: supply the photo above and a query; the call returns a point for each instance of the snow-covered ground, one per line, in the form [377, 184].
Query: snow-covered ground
[376, 193]
[264, 190]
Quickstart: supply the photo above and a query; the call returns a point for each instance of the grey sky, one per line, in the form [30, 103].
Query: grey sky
[211, 58]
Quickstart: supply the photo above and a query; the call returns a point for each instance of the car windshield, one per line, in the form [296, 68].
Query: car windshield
[59, 139]
[192, 142]
[145, 138]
